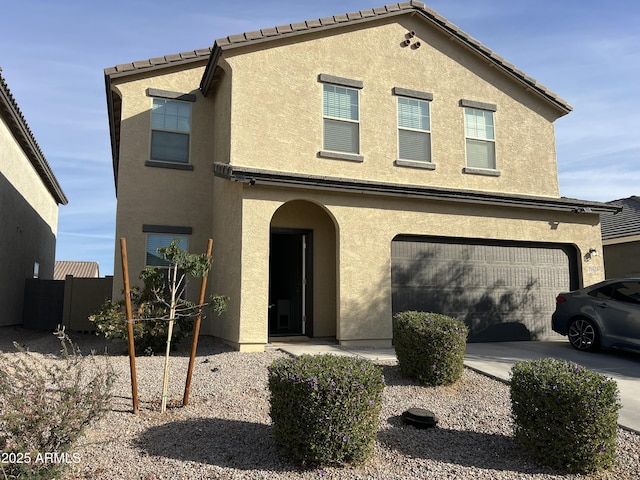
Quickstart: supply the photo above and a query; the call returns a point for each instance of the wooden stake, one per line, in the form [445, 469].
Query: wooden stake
[196, 330]
[172, 316]
[129, 316]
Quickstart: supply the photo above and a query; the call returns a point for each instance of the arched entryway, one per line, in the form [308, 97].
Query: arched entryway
[302, 272]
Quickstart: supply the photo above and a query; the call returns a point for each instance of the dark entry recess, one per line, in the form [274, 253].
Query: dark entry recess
[290, 283]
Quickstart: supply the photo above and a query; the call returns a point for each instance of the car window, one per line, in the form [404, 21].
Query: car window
[603, 292]
[628, 292]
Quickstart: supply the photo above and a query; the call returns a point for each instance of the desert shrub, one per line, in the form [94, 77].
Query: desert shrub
[45, 405]
[152, 305]
[150, 332]
[565, 414]
[430, 347]
[325, 408]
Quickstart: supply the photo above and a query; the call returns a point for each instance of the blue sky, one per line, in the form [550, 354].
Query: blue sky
[53, 55]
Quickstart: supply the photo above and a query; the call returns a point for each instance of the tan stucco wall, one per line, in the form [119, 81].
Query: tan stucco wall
[227, 269]
[277, 98]
[161, 196]
[19, 171]
[365, 228]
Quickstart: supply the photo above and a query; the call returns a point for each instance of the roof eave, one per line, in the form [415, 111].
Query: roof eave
[529, 83]
[254, 176]
[24, 135]
[408, 8]
[112, 133]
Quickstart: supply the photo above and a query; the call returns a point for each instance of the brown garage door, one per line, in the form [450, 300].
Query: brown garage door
[502, 290]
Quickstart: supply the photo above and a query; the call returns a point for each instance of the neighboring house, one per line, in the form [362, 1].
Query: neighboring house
[76, 269]
[29, 199]
[347, 168]
[621, 240]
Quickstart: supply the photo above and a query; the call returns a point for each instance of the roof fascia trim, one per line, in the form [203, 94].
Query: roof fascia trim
[487, 53]
[219, 47]
[112, 134]
[19, 128]
[621, 239]
[111, 73]
[267, 177]
[419, 8]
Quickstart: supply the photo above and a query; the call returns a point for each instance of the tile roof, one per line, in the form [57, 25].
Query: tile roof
[370, 14]
[14, 118]
[62, 268]
[624, 224]
[298, 28]
[159, 62]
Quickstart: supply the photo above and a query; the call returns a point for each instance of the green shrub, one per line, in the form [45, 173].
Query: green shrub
[44, 407]
[151, 309]
[150, 331]
[325, 408]
[430, 347]
[161, 298]
[565, 414]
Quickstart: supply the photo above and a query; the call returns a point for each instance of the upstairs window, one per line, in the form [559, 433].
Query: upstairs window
[170, 130]
[480, 138]
[341, 115]
[414, 130]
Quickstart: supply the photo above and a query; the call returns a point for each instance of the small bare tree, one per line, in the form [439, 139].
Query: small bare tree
[171, 293]
[159, 306]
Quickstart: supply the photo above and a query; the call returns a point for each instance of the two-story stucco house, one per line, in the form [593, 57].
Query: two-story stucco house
[347, 168]
[29, 198]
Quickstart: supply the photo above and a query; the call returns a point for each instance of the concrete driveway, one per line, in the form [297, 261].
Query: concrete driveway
[497, 358]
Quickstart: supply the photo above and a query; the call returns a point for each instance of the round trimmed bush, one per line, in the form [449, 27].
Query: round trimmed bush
[325, 408]
[565, 415]
[430, 347]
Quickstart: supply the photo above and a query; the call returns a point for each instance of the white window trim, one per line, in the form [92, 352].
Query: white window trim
[178, 98]
[406, 161]
[357, 85]
[471, 104]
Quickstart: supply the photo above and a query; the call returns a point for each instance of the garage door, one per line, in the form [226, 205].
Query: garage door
[502, 290]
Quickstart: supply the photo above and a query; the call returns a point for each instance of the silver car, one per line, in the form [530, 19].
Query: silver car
[605, 315]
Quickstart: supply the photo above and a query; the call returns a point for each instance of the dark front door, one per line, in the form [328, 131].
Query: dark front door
[289, 286]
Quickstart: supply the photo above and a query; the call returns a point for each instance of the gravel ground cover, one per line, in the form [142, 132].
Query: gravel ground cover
[225, 432]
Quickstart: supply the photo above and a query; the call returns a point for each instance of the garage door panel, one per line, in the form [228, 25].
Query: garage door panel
[502, 290]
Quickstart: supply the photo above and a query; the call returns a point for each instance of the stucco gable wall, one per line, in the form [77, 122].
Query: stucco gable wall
[277, 107]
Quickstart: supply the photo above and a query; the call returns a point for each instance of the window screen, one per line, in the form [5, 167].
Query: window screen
[480, 138]
[158, 240]
[341, 115]
[171, 126]
[414, 137]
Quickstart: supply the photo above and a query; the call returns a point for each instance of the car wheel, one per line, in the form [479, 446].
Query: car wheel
[583, 335]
